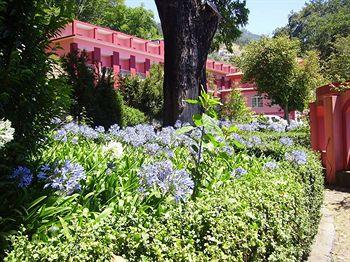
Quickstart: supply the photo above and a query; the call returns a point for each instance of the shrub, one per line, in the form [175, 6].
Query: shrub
[94, 95]
[251, 207]
[198, 193]
[28, 86]
[235, 108]
[133, 117]
[145, 95]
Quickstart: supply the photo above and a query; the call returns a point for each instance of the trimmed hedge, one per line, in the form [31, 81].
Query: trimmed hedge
[263, 216]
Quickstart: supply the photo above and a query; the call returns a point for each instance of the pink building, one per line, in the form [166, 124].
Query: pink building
[330, 131]
[127, 54]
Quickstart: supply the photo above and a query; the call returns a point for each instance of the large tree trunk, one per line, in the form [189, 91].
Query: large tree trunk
[286, 113]
[188, 27]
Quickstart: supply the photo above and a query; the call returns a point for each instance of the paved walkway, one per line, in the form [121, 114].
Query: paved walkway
[332, 243]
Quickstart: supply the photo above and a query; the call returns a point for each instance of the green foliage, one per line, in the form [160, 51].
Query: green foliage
[318, 24]
[261, 214]
[133, 116]
[137, 21]
[93, 95]
[273, 64]
[234, 14]
[146, 94]
[235, 108]
[338, 63]
[29, 88]
[107, 108]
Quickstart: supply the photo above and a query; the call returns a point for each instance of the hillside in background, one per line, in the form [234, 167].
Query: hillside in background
[247, 37]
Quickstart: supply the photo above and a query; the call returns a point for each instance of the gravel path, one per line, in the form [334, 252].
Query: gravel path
[337, 201]
[332, 243]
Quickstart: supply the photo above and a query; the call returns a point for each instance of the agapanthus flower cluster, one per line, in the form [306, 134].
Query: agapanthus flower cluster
[162, 175]
[6, 132]
[23, 176]
[271, 165]
[286, 141]
[239, 172]
[43, 172]
[66, 177]
[74, 129]
[100, 129]
[294, 125]
[136, 136]
[152, 148]
[238, 138]
[298, 157]
[56, 121]
[166, 136]
[277, 127]
[225, 123]
[227, 149]
[253, 141]
[115, 149]
[254, 126]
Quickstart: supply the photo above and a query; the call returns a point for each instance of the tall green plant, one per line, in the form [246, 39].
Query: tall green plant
[274, 65]
[29, 89]
[235, 108]
[94, 96]
[338, 64]
[145, 95]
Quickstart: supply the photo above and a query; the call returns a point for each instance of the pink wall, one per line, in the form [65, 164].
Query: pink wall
[330, 129]
[90, 37]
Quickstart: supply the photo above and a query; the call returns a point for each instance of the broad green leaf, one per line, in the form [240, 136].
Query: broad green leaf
[184, 130]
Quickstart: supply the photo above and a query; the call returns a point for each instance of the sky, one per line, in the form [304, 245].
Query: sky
[265, 15]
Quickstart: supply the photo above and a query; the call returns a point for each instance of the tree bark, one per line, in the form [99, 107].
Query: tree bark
[188, 28]
[286, 113]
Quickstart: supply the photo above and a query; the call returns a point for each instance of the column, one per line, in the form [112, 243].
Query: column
[96, 55]
[333, 137]
[147, 66]
[314, 127]
[73, 47]
[116, 67]
[132, 63]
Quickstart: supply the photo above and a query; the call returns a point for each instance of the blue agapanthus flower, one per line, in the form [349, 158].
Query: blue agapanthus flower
[228, 150]
[66, 177]
[43, 172]
[162, 176]
[152, 148]
[238, 172]
[238, 138]
[60, 135]
[23, 175]
[271, 165]
[100, 129]
[286, 141]
[277, 127]
[253, 142]
[298, 157]
[56, 121]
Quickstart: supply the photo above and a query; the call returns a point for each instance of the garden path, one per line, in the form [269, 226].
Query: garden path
[338, 202]
[333, 239]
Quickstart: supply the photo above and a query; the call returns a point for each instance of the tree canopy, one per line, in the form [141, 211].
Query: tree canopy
[273, 64]
[338, 64]
[233, 14]
[114, 14]
[318, 24]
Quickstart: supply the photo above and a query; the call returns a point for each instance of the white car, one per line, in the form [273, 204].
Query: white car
[275, 119]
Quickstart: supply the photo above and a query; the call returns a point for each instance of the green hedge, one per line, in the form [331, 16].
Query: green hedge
[132, 116]
[264, 216]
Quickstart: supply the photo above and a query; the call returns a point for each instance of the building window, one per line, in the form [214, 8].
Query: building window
[257, 101]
